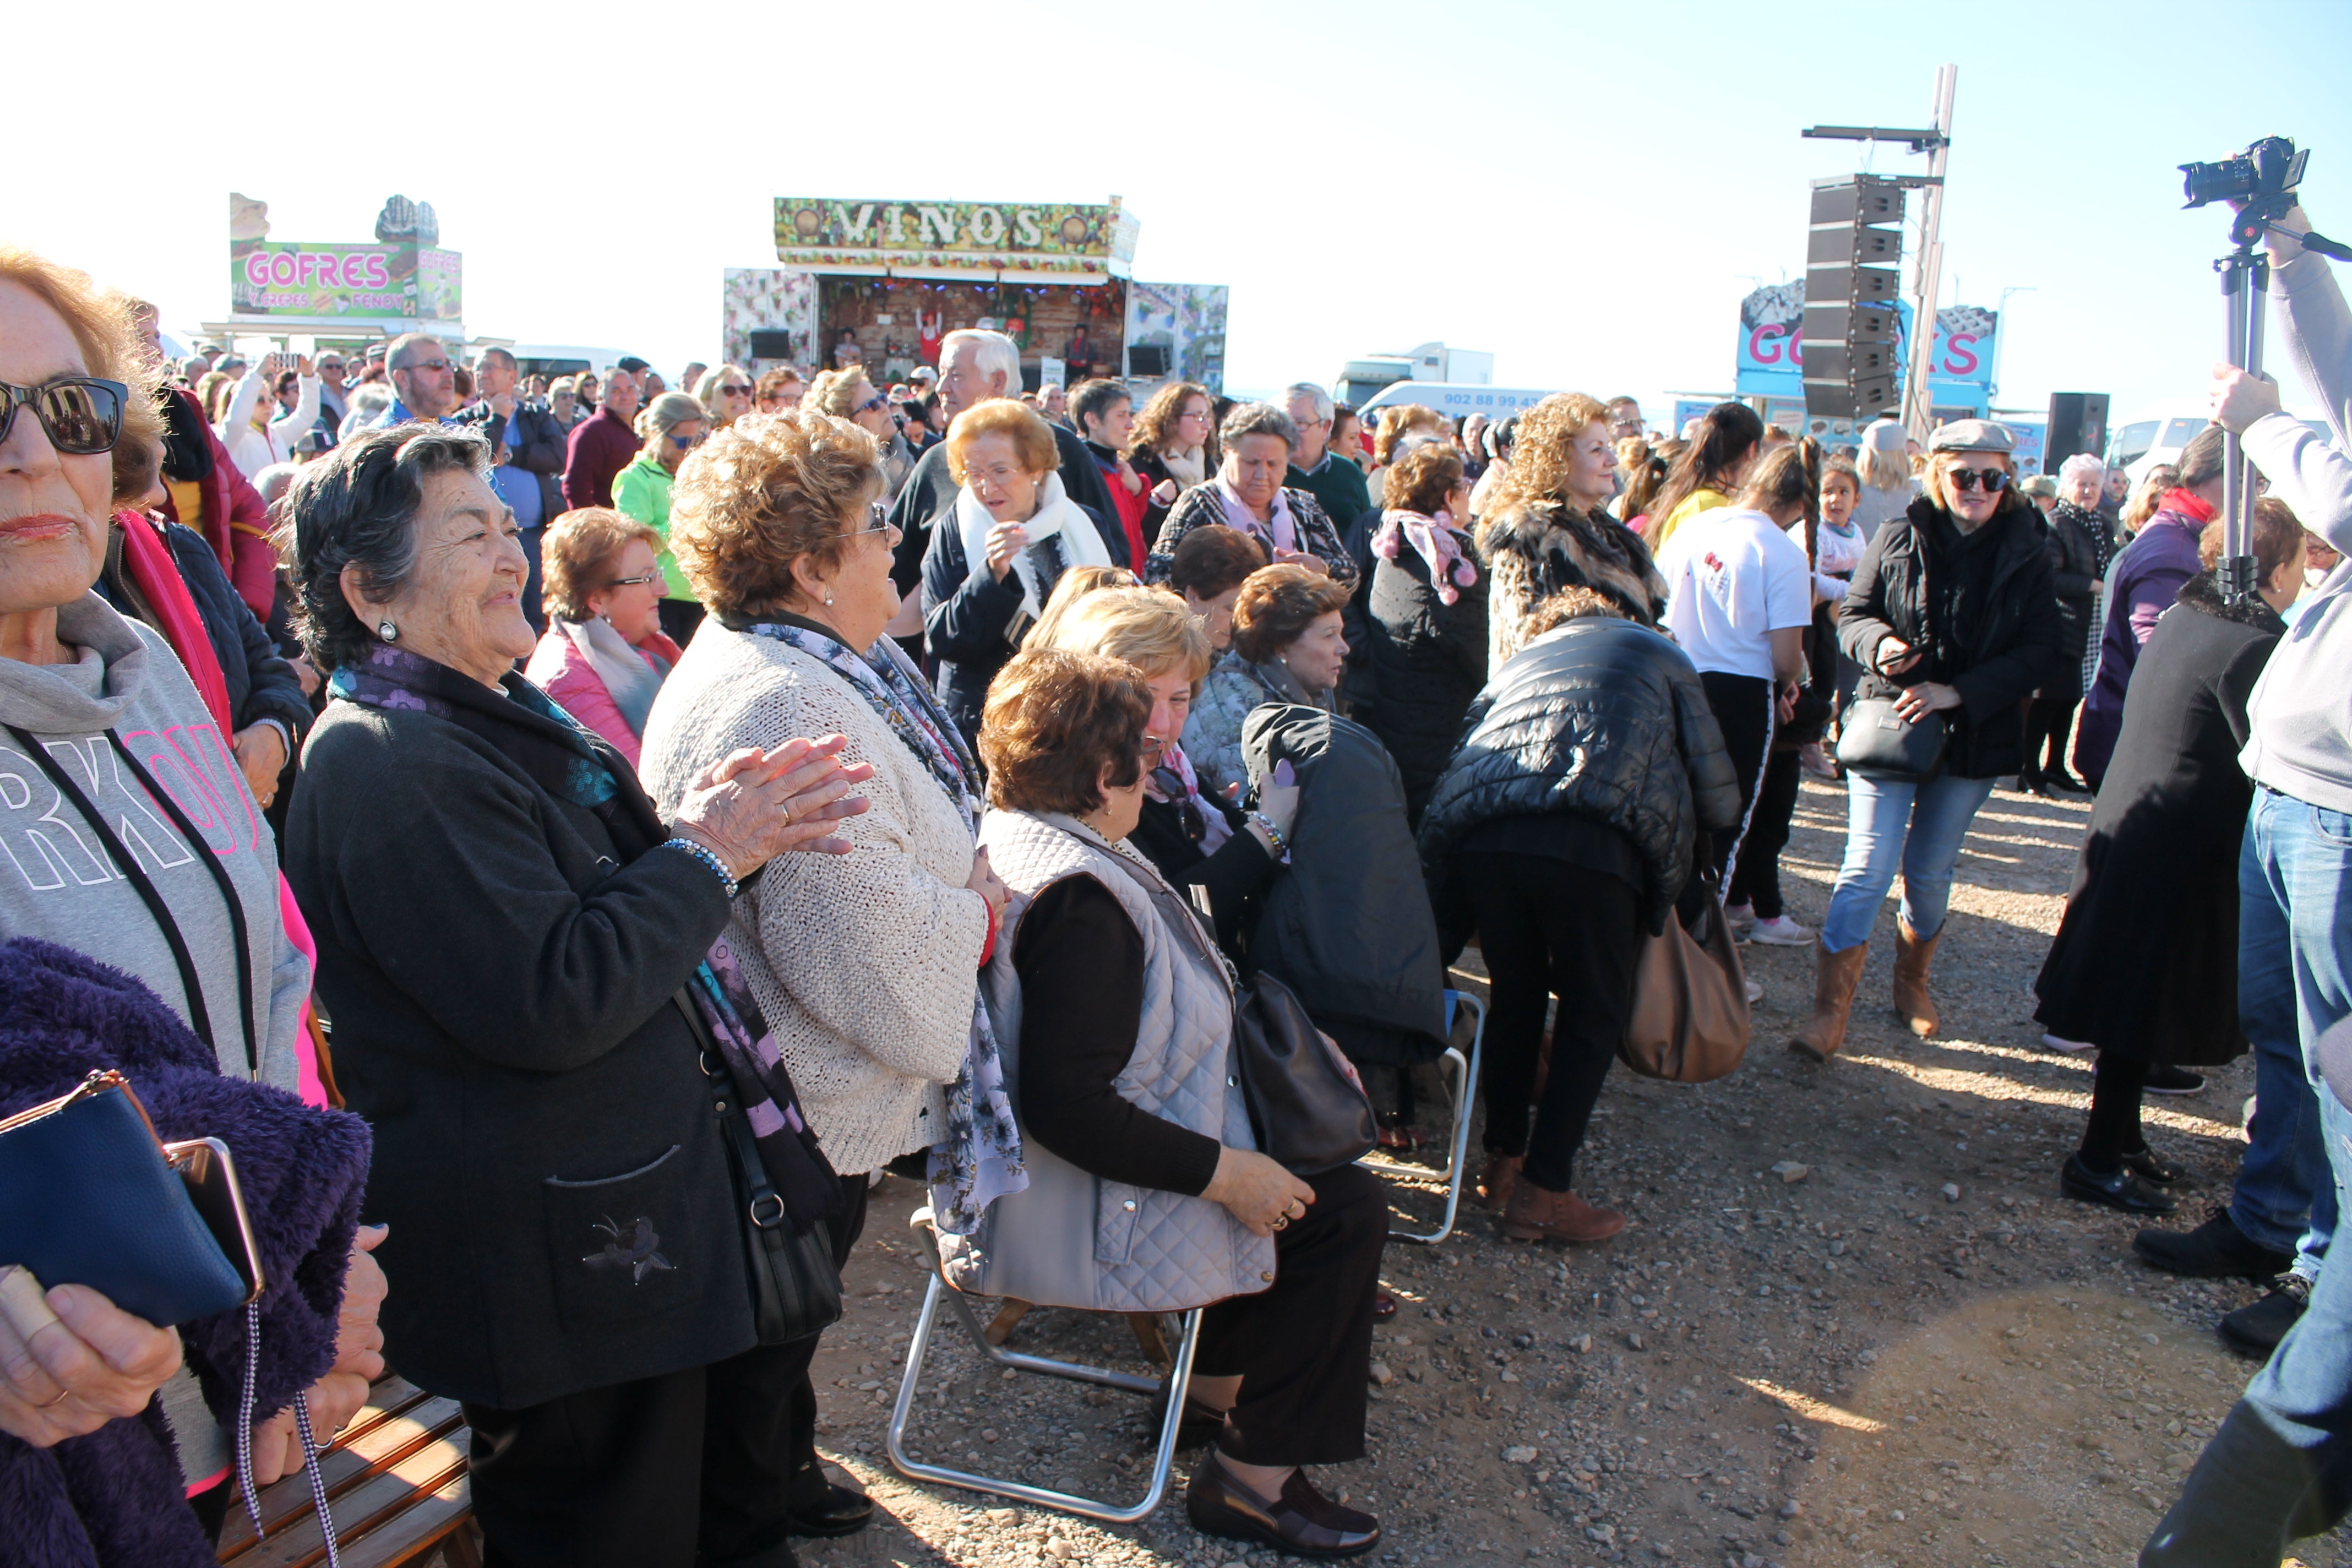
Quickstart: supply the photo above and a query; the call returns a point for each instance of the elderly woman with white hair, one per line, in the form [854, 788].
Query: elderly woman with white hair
[2080, 547]
[1250, 496]
[1883, 461]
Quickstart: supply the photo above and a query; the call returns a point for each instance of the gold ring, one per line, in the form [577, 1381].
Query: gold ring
[788, 815]
[1277, 1223]
[62, 1395]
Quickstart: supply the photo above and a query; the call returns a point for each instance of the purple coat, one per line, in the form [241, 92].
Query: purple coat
[2145, 582]
[114, 1496]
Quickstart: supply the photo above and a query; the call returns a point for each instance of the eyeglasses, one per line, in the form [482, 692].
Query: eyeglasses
[688, 443]
[331, 364]
[1964, 480]
[81, 414]
[873, 402]
[640, 577]
[426, 364]
[882, 524]
[1170, 785]
[735, 388]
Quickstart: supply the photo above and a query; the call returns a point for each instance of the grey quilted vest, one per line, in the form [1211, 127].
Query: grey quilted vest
[1153, 1251]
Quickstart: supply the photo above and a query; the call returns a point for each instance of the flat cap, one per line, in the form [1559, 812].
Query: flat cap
[1972, 435]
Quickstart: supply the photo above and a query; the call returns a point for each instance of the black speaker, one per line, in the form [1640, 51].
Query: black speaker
[771, 345]
[1852, 242]
[1147, 359]
[2078, 423]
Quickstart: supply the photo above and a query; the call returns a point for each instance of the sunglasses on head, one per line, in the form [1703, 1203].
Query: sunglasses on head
[81, 414]
[1994, 481]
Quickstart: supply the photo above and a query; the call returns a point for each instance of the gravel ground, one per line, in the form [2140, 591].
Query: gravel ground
[1852, 1321]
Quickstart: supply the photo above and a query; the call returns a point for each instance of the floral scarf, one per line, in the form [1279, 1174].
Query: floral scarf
[978, 1160]
[576, 766]
[1434, 540]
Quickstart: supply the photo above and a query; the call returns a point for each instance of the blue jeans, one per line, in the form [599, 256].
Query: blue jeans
[1913, 827]
[2280, 1467]
[2285, 1199]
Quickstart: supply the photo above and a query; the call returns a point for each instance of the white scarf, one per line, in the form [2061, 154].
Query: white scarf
[1187, 469]
[1060, 537]
[628, 678]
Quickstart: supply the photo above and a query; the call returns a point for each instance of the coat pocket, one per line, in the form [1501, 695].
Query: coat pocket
[1119, 1209]
[614, 1243]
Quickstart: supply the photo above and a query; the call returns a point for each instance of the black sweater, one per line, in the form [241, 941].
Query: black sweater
[1080, 959]
[1234, 879]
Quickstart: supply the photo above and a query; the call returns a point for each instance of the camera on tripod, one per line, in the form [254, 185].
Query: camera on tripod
[2271, 167]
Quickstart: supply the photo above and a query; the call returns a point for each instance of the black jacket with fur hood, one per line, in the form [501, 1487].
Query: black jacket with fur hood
[1533, 551]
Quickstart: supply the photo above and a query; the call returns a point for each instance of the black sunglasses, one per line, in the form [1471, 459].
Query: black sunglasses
[1994, 481]
[82, 414]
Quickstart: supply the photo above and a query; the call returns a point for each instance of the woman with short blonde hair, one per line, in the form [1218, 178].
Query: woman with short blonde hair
[724, 395]
[998, 556]
[1197, 838]
[603, 655]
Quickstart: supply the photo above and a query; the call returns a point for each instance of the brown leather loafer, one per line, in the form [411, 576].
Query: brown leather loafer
[1302, 1521]
[1535, 1215]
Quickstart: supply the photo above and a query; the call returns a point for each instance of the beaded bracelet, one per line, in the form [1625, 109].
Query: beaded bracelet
[708, 859]
[1262, 820]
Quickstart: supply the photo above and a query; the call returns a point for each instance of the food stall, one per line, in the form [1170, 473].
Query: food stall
[298, 295]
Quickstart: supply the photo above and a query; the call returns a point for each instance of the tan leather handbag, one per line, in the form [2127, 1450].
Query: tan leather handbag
[1690, 1001]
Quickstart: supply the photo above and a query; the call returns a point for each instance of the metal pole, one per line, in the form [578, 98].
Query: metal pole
[1916, 402]
[2245, 278]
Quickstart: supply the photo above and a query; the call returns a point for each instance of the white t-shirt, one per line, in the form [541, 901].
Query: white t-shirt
[1733, 578]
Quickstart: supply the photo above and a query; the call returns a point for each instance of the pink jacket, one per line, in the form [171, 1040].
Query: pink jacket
[563, 672]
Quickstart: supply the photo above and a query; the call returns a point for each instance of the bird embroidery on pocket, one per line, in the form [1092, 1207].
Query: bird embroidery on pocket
[633, 1249]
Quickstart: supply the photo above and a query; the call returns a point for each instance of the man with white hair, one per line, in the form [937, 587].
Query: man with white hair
[424, 381]
[1338, 483]
[974, 366]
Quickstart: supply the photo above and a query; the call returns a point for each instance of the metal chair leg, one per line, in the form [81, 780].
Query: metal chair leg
[1457, 1151]
[1179, 1376]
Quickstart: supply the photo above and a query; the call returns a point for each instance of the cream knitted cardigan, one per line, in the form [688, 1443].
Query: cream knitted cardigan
[866, 963]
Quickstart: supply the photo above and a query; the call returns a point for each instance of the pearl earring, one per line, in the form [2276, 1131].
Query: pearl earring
[387, 631]
[828, 599]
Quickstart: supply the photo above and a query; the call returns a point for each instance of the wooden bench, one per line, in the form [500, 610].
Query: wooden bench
[396, 1480]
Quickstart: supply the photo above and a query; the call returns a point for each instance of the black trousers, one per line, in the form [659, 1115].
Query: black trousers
[1743, 711]
[678, 619]
[2112, 1130]
[1550, 928]
[693, 1466]
[1756, 878]
[2047, 722]
[1301, 1345]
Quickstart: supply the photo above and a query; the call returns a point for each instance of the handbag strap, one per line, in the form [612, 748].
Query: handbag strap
[764, 1205]
[309, 1447]
[199, 1018]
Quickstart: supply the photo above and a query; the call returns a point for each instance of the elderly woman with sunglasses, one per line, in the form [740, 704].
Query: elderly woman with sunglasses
[1952, 614]
[671, 425]
[725, 394]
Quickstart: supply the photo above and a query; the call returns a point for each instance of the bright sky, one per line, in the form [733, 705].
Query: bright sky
[1585, 190]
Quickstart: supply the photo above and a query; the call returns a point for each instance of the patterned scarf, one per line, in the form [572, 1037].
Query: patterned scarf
[978, 1160]
[578, 767]
[1434, 540]
[1279, 532]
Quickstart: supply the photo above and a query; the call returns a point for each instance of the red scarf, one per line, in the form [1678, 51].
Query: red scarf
[2189, 505]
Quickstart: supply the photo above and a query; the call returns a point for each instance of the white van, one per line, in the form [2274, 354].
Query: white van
[1455, 399]
[551, 360]
[2160, 432]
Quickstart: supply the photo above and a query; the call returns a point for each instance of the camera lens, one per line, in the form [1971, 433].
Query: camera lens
[2204, 183]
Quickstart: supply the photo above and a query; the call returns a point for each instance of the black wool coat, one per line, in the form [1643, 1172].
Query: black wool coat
[2145, 958]
[500, 986]
[1427, 661]
[2007, 651]
[2076, 543]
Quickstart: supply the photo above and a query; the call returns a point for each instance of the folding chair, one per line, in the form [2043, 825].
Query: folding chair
[1179, 1376]
[1465, 1080]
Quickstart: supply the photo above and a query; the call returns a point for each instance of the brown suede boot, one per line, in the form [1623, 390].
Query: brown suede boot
[1835, 977]
[1913, 955]
[1496, 1182]
[1535, 1215]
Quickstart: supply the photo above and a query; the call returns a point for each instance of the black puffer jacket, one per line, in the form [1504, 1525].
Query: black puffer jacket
[1427, 659]
[1995, 648]
[1602, 717]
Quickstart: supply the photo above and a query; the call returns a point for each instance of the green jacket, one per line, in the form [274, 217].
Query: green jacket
[641, 492]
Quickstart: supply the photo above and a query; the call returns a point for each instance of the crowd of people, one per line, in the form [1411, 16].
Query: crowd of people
[608, 811]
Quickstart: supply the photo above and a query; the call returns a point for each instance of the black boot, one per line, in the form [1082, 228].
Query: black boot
[2256, 1327]
[2216, 1249]
[2119, 1189]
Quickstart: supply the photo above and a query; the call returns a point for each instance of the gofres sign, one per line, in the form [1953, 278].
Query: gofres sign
[1071, 242]
[294, 279]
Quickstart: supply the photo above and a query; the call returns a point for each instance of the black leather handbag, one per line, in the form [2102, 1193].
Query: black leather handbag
[1308, 1105]
[795, 1279]
[1879, 743]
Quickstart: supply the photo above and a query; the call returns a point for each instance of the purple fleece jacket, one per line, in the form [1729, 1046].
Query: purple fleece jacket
[2142, 585]
[113, 1499]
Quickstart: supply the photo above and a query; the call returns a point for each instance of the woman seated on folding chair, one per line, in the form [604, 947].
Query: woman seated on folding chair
[1123, 1016]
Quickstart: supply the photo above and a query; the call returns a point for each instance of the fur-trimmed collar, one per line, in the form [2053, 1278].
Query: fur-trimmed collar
[2203, 594]
[1605, 554]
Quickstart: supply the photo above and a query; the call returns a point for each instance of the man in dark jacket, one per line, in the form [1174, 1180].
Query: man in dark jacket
[600, 446]
[531, 448]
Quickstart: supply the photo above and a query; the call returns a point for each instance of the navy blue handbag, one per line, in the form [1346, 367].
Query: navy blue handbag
[89, 1195]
